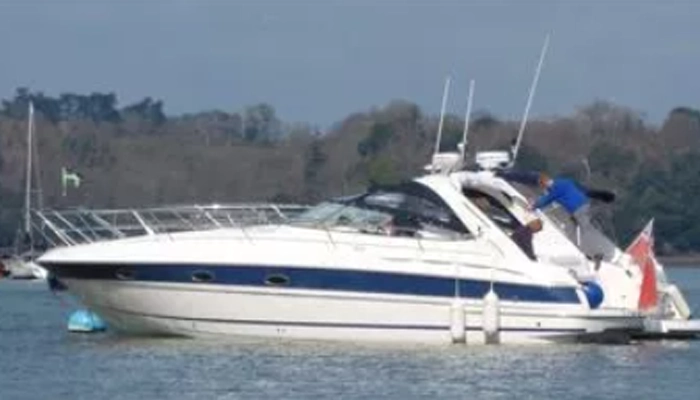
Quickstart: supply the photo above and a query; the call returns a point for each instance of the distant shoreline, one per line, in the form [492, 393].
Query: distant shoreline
[687, 261]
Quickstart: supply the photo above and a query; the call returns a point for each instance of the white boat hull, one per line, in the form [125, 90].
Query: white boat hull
[19, 268]
[38, 272]
[669, 328]
[222, 310]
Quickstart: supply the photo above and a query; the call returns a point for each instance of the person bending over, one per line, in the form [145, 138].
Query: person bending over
[571, 197]
[523, 235]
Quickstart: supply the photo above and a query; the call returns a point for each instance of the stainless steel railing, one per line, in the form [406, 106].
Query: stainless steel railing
[78, 226]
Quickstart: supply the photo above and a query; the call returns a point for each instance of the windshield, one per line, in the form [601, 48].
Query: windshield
[386, 211]
[329, 214]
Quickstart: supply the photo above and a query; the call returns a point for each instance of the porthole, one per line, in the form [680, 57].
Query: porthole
[202, 276]
[277, 280]
[125, 274]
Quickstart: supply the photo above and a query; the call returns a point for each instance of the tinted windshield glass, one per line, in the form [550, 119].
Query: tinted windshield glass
[372, 211]
[493, 209]
[319, 213]
[408, 205]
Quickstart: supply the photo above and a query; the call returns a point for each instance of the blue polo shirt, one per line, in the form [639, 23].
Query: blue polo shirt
[565, 192]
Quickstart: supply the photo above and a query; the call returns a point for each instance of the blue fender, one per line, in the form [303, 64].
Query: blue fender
[594, 294]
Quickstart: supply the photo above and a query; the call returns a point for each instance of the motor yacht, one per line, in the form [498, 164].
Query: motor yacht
[413, 262]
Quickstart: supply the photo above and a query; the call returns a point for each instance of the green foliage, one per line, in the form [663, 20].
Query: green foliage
[483, 120]
[86, 150]
[687, 111]
[530, 158]
[611, 161]
[252, 155]
[9, 216]
[147, 109]
[382, 170]
[376, 141]
[314, 162]
[451, 137]
[98, 107]
[261, 123]
[282, 198]
[670, 196]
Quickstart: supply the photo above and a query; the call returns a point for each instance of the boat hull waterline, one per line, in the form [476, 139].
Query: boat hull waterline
[157, 307]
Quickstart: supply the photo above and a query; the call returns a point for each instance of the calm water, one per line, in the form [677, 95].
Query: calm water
[41, 360]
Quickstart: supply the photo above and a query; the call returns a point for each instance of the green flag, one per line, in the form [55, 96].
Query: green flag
[67, 178]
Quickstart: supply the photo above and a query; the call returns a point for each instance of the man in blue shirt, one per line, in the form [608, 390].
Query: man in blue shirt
[571, 197]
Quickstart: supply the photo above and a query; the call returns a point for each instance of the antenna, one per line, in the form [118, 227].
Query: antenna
[467, 118]
[445, 94]
[588, 168]
[530, 96]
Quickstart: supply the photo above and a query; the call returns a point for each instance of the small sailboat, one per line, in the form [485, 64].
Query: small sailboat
[22, 265]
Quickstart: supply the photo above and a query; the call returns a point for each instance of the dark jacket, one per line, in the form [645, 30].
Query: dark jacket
[522, 236]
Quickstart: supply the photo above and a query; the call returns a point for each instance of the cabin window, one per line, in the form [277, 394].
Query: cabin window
[276, 280]
[125, 274]
[202, 276]
[493, 209]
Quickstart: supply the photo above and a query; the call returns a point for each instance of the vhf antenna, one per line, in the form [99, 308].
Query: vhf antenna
[531, 95]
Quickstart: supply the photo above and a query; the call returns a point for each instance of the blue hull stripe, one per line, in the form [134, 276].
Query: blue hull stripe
[314, 279]
[306, 324]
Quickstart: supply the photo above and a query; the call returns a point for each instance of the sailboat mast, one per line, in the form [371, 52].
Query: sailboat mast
[36, 171]
[28, 187]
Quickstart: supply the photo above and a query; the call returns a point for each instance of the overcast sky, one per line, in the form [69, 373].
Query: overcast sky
[319, 60]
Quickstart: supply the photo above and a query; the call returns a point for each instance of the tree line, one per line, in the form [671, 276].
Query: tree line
[137, 156]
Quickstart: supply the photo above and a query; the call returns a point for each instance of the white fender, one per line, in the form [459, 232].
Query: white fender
[491, 318]
[458, 321]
